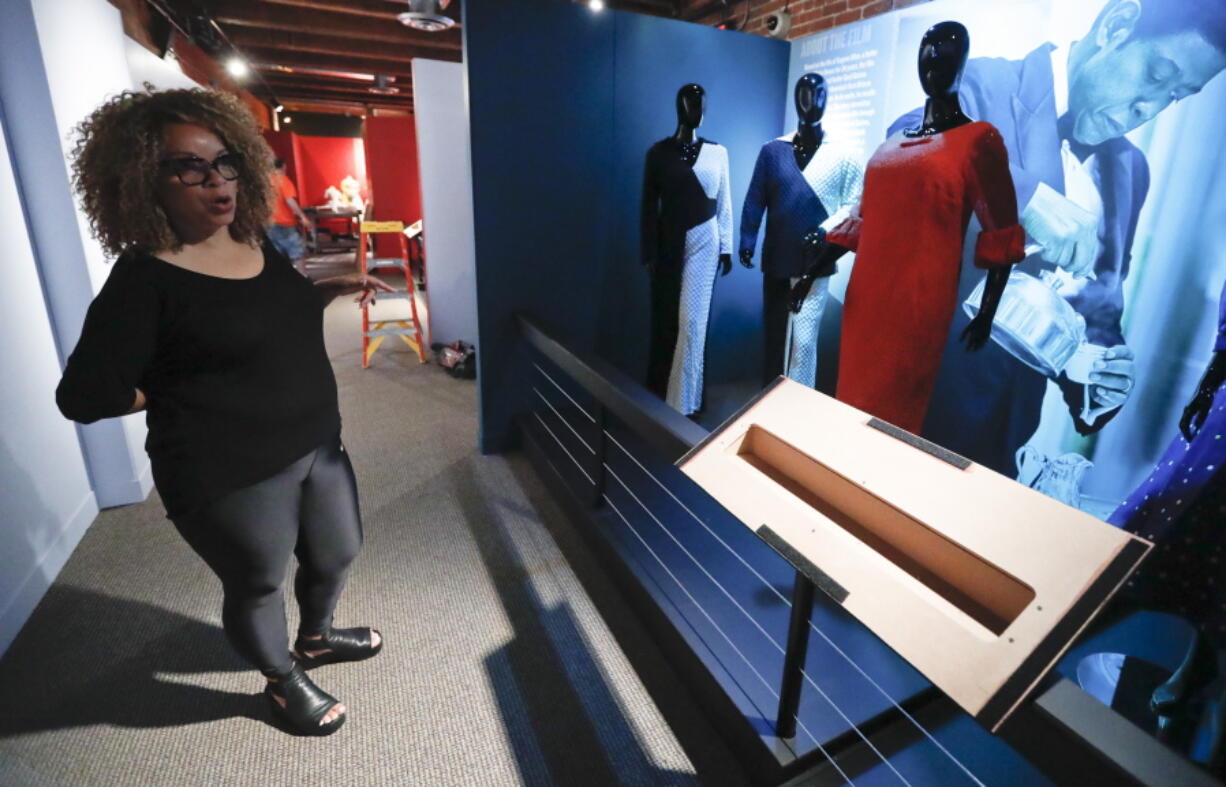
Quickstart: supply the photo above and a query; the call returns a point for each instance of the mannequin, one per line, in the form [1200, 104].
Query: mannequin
[903, 289]
[687, 236]
[810, 99]
[1179, 507]
[801, 183]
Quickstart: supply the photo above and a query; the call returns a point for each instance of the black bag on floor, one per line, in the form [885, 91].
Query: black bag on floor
[459, 359]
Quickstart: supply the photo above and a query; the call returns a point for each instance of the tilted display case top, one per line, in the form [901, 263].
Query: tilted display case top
[977, 581]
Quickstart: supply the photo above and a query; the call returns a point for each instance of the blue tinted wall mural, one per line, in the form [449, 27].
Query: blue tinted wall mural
[1107, 109]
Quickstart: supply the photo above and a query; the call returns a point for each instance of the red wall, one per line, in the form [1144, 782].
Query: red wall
[325, 161]
[282, 144]
[391, 160]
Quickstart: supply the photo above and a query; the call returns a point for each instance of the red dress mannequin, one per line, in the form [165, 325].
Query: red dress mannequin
[907, 233]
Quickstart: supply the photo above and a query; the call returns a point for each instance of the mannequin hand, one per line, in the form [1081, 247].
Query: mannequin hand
[747, 258]
[976, 335]
[725, 264]
[1112, 377]
[1067, 232]
[138, 401]
[812, 246]
[1194, 414]
[800, 291]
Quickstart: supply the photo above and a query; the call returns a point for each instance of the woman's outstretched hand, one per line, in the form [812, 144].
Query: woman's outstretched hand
[365, 284]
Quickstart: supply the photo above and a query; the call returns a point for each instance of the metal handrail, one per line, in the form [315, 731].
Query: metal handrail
[663, 428]
[1061, 729]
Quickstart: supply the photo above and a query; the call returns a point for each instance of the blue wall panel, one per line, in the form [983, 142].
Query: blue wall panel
[564, 104]
[745, 80]
[540, 87]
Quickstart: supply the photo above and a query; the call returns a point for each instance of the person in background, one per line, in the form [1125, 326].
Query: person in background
[286, 216]
[1063, 112]
[208, 328]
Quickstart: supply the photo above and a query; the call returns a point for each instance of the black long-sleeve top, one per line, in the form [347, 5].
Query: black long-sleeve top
[675, 200]
[236, 378]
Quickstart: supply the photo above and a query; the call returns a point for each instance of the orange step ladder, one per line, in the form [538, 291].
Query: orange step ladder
[407, 328]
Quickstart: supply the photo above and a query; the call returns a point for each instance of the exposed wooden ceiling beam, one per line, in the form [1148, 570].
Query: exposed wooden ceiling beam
[375, 9]
[283, 90]
[278, 75]
[301, 94]
[296, 103]
[653, 7]
[698, 10]
[356, 65]
[335, 107]
[242, 13]
[244, 37]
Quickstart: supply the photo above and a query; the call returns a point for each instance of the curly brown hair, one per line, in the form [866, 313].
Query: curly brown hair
[115, 165]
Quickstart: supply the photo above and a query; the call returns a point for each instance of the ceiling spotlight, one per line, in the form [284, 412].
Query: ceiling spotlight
[427, 16]
[236, 67]
[278, 108]
[287, 119]
[383, 85]
[596, 5]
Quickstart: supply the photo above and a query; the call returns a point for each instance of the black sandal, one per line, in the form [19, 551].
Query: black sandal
[339, 645]
[305, 703]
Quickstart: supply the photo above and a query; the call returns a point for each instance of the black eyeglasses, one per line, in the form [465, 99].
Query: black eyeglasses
[193, 170]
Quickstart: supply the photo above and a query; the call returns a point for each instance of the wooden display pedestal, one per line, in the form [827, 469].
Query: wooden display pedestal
[977, 581]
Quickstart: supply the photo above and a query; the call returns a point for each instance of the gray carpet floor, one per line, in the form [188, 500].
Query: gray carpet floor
[509, 657]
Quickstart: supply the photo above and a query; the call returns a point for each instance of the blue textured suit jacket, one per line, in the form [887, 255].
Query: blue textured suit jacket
[779, 189]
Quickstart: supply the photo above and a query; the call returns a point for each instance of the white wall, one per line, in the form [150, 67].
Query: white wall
[46, 502]
[144, 66]
[58, 60]
[441, 110]
[85, 53]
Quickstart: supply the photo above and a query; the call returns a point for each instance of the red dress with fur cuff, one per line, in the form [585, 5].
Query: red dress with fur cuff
[907, 233]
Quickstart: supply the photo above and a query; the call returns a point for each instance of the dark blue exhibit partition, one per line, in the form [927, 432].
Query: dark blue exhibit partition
[745, 80]
[564, 103]
[540, 91]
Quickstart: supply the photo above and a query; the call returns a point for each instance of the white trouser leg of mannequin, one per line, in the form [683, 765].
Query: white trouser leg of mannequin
[697, 285]
[803, 328]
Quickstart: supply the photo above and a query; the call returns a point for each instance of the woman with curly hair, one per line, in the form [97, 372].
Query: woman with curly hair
[203, 324]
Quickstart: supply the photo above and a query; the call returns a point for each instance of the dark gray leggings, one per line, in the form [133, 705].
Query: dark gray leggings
[311, 509]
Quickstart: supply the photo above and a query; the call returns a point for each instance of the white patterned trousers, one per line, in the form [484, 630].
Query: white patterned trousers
[697, 285]
[803, 330]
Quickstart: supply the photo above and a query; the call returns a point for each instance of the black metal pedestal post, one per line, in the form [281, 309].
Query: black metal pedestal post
[794, 657]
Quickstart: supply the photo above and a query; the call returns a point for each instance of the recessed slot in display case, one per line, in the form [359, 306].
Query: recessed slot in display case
[991, 597]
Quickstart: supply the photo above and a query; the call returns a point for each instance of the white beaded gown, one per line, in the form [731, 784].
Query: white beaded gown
[704, 243]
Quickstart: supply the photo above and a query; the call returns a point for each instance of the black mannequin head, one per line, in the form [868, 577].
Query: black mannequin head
[691, 104]
[942, 56]
[810, 96]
